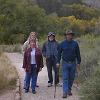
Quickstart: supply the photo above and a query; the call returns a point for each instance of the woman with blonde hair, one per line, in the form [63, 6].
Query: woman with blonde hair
[32, 36]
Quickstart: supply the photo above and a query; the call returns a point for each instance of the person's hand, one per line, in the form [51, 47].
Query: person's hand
[78, 67]
[58, 65]
[40, 69]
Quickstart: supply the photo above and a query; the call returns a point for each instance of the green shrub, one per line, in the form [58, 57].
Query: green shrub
[89, 47]
[90, 67]
[91, 88]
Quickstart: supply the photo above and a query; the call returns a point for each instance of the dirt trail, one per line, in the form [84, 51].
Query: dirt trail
[43, 92]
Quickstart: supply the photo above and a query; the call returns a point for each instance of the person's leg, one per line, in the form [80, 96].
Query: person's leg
[34, 80]
[57, 75]
[65, 75]
[71, 77]
[49, 69]
[27, 81]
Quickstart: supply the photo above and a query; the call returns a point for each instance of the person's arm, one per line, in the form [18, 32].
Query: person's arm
[41, 63]
[78, 55]
[59, 55]
[24, 60]
[44, 50]
[40, 57]
[78, 59]
[25, 46]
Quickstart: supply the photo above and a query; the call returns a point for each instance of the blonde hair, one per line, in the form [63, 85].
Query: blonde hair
[34, 39]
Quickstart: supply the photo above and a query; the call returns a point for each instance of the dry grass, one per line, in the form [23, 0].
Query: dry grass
[11, 48]
[8, 74]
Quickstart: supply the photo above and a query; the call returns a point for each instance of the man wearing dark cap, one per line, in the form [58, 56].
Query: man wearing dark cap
[70, 54]
[50, 52]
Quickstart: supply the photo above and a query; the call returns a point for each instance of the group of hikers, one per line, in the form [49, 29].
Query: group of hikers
[65, 54]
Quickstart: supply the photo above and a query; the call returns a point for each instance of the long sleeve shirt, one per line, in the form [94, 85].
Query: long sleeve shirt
[69, 51]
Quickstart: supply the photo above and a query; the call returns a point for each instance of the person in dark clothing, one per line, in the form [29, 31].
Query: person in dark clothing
[70, 54]
[50, 52]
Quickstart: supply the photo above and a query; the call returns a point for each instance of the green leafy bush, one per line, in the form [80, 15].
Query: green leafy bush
[90, 68]
[89, 53]
[91, 88]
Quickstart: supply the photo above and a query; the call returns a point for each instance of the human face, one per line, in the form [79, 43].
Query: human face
[51, 38]
[69, 37]
[32, 44]
[33, 35]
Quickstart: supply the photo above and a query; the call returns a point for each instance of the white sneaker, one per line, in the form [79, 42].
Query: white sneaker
[59, 85]
[49, 84]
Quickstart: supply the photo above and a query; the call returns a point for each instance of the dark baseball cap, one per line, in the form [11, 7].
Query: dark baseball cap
[51, 33]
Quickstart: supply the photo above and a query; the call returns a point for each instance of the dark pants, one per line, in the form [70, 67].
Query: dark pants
[68, 74]
[51, 64]
[32, 76]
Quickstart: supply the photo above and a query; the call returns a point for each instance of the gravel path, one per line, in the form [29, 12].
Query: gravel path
[8, 95]
[43, 92]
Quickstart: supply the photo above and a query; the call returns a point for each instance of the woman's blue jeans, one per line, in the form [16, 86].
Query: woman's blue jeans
[32, 76]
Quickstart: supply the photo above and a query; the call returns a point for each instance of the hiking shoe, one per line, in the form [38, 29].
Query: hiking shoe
[64, 95]
[70, 93]
[26, 90]
[37, 85]
[24, 87]
[49, 84]
[59, 85]
[33, 91]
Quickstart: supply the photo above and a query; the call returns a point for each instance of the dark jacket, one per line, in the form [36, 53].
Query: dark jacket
[50, 49]
[69, 50]
[27, 59]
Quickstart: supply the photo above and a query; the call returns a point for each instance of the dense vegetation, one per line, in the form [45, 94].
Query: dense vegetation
[55, 5]
[90, 67]
[92, 3]
[19, 17]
